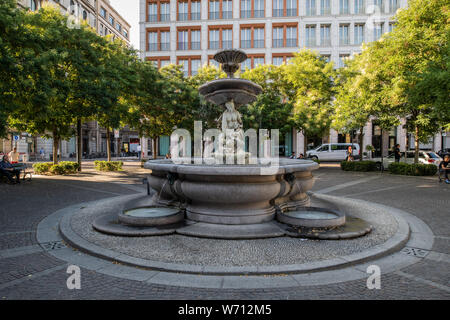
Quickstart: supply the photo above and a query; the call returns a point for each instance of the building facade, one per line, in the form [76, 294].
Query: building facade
[189, 33]
[103, 18]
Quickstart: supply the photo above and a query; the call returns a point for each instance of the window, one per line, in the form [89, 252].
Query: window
[359, 7]
[310, 7]
[325, 7]
[227, 9]
[344, 34]
[284, 35]
[343, 7]
[252, 61]
[102, 28]
[227, 38]
[152, 12]
[195, 10]
[278, 8]
[165, 41]
[377, 31]
[325, 31]
[85, 16]
[214, 12]
[214, 38]
[342, 58]
[291, 36]
[111, 20]
[394, 5]
[183, 11]
[326, 57]
[277, 61]
[246, 10]
[103, 12]
[189, 38]
[158, 10]
[159, 62]
[183, 40]
[195, 65]
[391, 26]
[125, 33]
[118, 27]
[310, 36]
[246, 38]
[165, 11]
[359, 33]
[379, 4]
[158, 39]
[277, 38]
[258, 38]
[152, 41]
[291, 8]
[190, 65]
[258, 10]
[195, 40]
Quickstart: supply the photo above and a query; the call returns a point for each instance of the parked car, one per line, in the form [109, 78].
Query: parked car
[425, 157]
[443, 152]
[333, 152]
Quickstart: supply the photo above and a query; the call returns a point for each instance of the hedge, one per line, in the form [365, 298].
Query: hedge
[108, 165]
[412, 169]
[63, 167]
[359, 166]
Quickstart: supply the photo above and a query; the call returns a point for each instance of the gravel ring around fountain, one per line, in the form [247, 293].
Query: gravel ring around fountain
[177, 253]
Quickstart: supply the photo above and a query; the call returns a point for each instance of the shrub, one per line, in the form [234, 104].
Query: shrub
[42, 167]
[412, 169]
[108, 165]
[359, 166]
[64, 167]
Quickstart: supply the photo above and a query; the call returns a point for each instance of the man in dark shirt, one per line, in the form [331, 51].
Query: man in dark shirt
[397, 154]
[8, 170]
[444, 167]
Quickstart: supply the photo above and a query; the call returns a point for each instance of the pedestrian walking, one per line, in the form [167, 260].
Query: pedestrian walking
[397, 153]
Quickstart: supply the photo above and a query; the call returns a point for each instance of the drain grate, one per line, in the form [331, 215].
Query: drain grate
[416, 252]
[54, 245]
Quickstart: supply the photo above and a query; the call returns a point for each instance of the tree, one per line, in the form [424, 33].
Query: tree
[272, 109]
[311, 78]
[410, 68]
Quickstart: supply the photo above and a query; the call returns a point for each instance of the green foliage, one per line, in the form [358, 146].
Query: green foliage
[363, 166]
[417, 169]
[272, 109]
[311, 88]
[108, 165]
[42, 167]
[64, 167]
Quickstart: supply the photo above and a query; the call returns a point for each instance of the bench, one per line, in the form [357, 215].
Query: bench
[24, 170]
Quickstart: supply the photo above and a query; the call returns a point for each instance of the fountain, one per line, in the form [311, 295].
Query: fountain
[255, 199]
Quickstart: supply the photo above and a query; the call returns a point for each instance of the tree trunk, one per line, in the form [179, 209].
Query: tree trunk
[154, 148]
[305, 144]
[361, 137]
[79, 148]
[55, 147]
[416, 144]
[108, 144]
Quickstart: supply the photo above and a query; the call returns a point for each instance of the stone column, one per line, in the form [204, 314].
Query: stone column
[333, 136]
[401, 136]
[144, 147]
[300, 142]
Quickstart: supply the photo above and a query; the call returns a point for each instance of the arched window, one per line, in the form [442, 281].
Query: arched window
[84, 15]
[33, 5]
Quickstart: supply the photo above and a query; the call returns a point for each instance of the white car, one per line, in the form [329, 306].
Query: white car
[425, 157]
[333, 151]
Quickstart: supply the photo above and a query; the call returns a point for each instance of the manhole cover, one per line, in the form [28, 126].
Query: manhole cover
[420, 253]
[55, 245]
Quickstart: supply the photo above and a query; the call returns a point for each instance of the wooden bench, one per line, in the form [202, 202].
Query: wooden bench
[24, 170]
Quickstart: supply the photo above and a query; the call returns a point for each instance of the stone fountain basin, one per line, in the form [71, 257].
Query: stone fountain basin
[232, 194]
[241, 91]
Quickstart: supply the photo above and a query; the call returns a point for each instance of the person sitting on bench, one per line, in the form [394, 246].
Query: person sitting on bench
[444, 168]
[9, 171]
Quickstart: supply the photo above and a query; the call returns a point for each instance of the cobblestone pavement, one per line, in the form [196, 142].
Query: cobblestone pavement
[29, 272]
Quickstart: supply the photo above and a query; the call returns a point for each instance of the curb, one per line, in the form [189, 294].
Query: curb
[394, 244]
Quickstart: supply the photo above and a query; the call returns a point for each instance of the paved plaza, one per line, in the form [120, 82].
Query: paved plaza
[34, 258]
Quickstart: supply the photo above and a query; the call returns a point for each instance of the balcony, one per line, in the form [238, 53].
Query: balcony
[246, 44]
[214, 44]
[227, 14]
[278, 12]
[214, 15]
[165, 46]
[258, 13]
[195, 16]
[246, 13]
[152, 18]
[182, 16]
[258, 43]
[277, 43]
[183, 46]
[195, 45]
[152, 47]
[228, 44]
[291, 43]
[291, 12]
[165, 16]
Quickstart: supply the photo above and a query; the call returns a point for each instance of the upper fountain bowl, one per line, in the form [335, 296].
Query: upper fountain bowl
[220, 91]
[230, 56]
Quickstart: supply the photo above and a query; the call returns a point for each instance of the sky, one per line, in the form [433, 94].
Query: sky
[129, 10]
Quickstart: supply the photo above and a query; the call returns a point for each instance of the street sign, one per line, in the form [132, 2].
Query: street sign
[16, 138]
